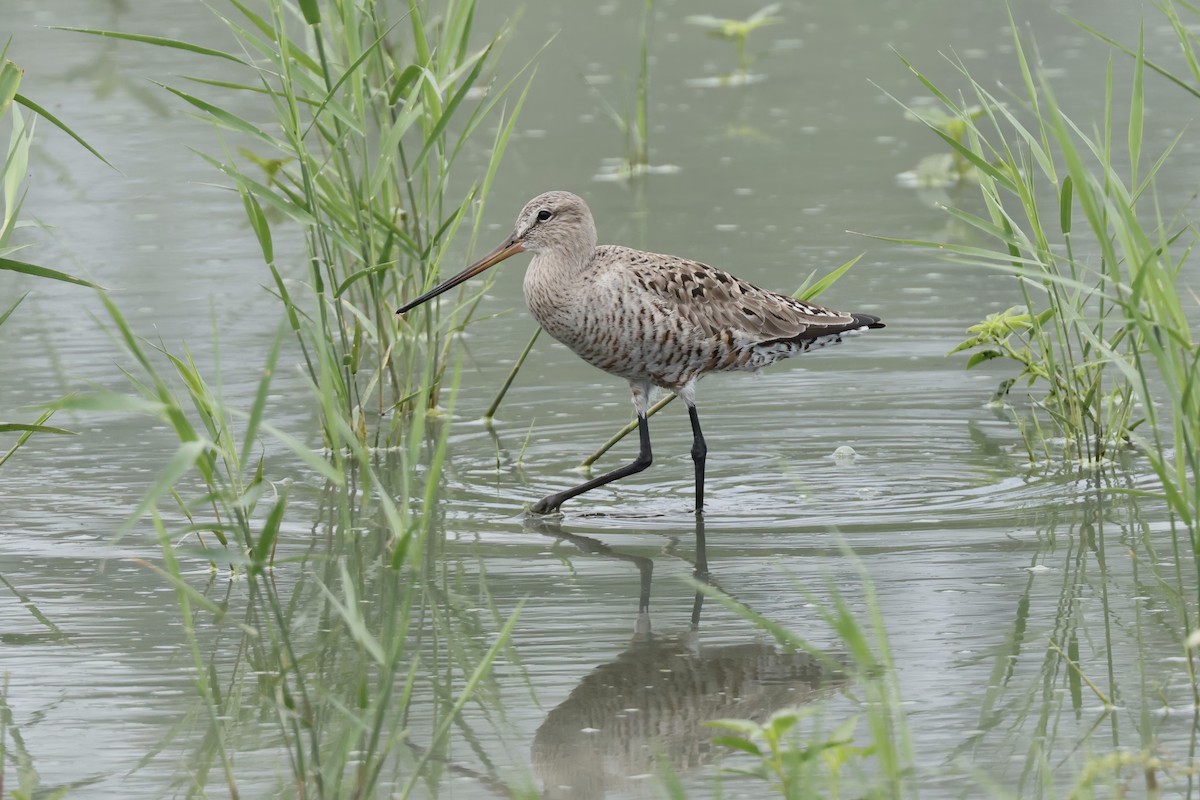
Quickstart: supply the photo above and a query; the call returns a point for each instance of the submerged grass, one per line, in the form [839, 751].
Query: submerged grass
[374, 107]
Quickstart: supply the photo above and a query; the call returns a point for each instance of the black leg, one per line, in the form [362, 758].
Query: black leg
[550, 504]
[699, 451]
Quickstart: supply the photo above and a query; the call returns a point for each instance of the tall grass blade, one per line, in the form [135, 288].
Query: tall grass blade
[43, 272]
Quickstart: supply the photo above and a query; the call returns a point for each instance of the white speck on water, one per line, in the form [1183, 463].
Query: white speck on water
[726, 227]
[589, 730]
[1038, 569]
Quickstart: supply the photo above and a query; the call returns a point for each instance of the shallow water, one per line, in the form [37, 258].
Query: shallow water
[976, 560]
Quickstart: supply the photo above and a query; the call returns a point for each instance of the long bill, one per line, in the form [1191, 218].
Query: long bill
[510, 248]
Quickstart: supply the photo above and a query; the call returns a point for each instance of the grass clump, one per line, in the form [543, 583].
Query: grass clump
[374, 107]
[1103, 336]
[13, 187]
[314, 652]
[1096, 263]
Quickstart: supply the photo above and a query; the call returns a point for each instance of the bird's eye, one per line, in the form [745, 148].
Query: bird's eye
[543, 215]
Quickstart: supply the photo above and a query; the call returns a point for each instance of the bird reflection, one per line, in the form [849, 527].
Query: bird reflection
[652, 700]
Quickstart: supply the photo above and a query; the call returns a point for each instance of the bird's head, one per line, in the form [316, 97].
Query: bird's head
[553, 222]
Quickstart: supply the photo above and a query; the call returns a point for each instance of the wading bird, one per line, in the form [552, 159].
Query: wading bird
[654, 320]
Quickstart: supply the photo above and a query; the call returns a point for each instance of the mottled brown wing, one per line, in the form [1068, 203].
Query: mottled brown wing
[718, 302]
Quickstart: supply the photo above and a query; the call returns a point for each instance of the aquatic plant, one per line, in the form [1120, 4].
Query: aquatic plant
[634, 125]
[942, 170]
[340, 697]
[13, 187]
[1092, 294]
[737, 30]
[814, 761]
[1103, 335]
[369, 127]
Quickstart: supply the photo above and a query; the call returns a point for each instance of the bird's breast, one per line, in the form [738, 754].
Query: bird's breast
[622, 329]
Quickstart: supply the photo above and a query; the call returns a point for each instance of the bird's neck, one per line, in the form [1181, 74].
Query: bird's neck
[562, 265]
[552, 280]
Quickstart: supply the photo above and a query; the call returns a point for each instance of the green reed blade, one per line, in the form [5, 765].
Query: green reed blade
[158, 41]
[62, 126]
[8, 427]
[8, 312]
[512, 374]
[44, 272]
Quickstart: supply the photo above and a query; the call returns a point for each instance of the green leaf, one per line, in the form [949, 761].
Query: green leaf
[362, 273]
[1065, 205]
[983, 355]
[6, 427]
[108, 402]
[1137, 106]
[10, 80]
[738, 743]
[186, 456]
[743, 726]
[808, 292]
[158, 41]
[311, 12]
[254, 420]
[43, 272]
[783, 721]
[258, 222]
[223, 117]
[404, 81]
[62, 126]
[8, 313]
[270, 532]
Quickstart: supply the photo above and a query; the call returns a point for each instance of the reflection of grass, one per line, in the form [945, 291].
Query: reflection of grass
[801, 761]
[1074, 706]
[1085, 688]
[16, 756]
[371, 114]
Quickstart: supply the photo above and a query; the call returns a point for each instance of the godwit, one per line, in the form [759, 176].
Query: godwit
[655, 320]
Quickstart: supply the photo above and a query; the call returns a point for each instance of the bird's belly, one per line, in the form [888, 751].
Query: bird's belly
[634, 348]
